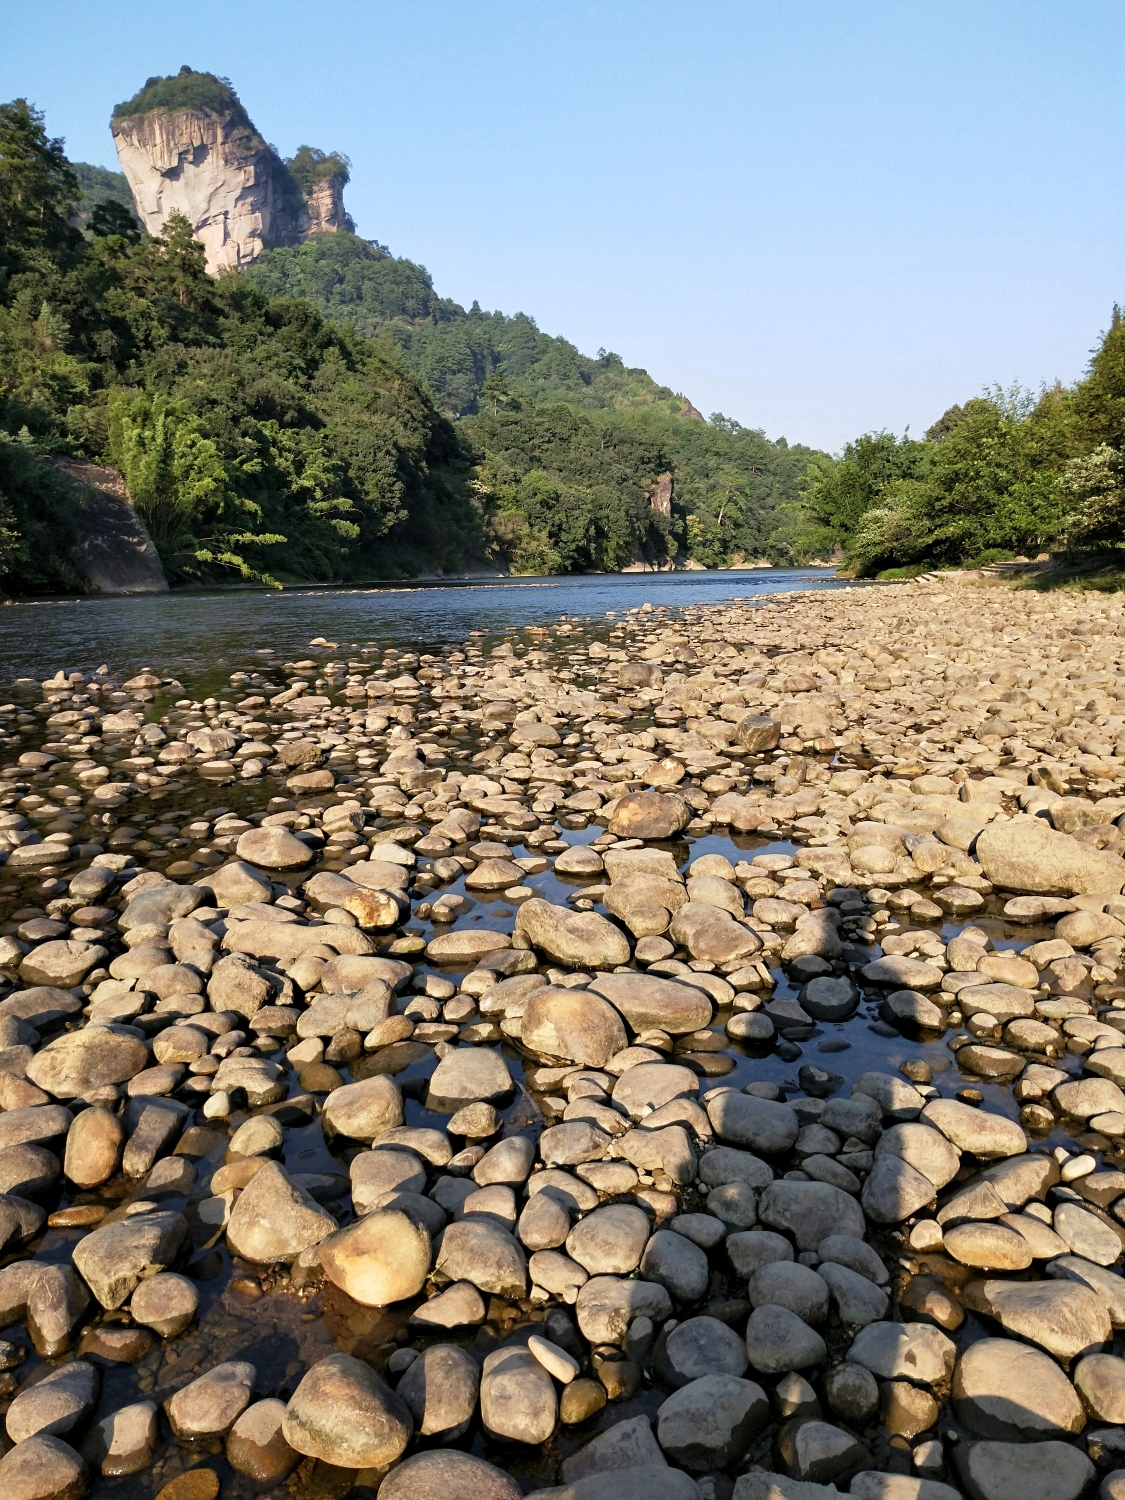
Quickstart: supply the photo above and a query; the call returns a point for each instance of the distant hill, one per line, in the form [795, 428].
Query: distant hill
[99, 185]
[359, 283]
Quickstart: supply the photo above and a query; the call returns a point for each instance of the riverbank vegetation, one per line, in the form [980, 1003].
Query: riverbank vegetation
[732, 487]
[1006, 474]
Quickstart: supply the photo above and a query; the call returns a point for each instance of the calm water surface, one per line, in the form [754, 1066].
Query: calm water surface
[191, 633]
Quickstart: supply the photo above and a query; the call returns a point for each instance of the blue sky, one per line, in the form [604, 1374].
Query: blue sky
[819, 218]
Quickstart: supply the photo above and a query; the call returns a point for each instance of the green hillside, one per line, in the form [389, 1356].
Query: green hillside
[730, 482]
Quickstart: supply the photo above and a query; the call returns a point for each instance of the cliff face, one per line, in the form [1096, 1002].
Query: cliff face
[324, 205]
[236, 191]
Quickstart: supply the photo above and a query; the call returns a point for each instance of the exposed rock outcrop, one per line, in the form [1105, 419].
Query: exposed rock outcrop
[115, 555]
[660, 495]
[208, 162]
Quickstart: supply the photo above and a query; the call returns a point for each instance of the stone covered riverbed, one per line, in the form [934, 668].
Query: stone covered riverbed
[671, 1056]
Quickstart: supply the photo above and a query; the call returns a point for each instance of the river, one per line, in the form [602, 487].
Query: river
[201, 631]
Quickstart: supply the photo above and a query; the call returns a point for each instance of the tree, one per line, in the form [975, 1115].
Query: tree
[39, 192]
[112, 217]
[178, 484]
[1099, 399]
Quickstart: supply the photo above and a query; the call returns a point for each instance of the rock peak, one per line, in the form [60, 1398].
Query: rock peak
[186, 144]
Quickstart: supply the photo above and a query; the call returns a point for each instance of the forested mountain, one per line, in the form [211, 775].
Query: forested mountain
[505, 379]
[325, 415]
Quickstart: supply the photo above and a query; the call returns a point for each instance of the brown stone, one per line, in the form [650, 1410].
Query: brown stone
[192, 1484]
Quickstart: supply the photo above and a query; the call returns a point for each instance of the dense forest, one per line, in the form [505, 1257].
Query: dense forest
[255, 439]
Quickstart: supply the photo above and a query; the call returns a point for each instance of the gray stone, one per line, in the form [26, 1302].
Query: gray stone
[810, 1211]
[829, 998]
[777, 1340]
[459, 1306]
[818, 1452]
[43, 1468]
[1087, 1235]
[872, 1486]
[344, 1414]
[558, 1274]
[748, 1252]
[27, 1171]
[904, 1351]
[709, 1423]
[711, 934]
[574, 1025]
[448, 1476]
[576, 1141]
[62, 964]
[1028, 1471]
[36, 1124]
[762, 1124]
[274, 1219]
[379, 1259]
[649, 1002]
[985, 1135]
[80, 1061]
[125, 1442]
[924, 1149]
[362, 1111]
[209, 1406]
[544, 1223]
[858, 1300]
[1063, 1317]
[852, 1392]
[790, 1285]
[1033, 858]
[626, 1445]
[735, 1204]
[1004, 1390]
[894, 1190]
[1100, 1381]
[642, 1483]
[848, 1250]
[677, 1264]
[59, 1404]
[112, 1260]
[476, 1250]
[908, 1007]
[606, 1305]
[517, 1397]
[466, 1076]
[374, 1173]
[576, 939]
[648, 1086]
[697, 1347]
[440, 1388]
[509, 1161]
[274, 849]
[166, 1303]
[610, 1241]
[256, 1445]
